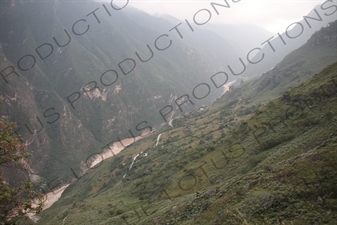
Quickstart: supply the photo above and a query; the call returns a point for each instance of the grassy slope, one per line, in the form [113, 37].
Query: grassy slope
[103, 196]
[274, 166]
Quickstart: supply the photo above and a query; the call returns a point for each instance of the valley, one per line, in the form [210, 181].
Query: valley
[134, 118]
[253, 167]
[254, 159]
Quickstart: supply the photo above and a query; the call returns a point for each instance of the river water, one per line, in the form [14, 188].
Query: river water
[117, 147]
[51, 197]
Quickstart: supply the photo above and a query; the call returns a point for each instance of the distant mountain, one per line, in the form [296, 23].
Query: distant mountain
[219, 50]
[318, 52]
[274, 50]
[244, 36]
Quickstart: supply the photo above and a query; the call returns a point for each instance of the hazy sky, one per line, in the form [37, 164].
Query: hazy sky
[273, 15]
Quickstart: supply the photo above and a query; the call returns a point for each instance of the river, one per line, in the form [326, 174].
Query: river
[51, 197]
[116, 148]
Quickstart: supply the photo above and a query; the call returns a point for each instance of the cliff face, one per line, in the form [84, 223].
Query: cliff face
[77, 76]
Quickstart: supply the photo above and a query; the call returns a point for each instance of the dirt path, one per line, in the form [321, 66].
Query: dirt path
[158, 138]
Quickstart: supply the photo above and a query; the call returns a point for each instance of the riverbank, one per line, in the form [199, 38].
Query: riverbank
[51, 197]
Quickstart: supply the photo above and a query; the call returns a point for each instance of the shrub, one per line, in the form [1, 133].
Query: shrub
[268, 168]
[15, 202]
[240, 191]
[254, 160]
[274, 141]
[119, 212]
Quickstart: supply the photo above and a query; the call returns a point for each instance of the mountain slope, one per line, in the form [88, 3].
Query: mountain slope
[240, 160]
[318, 52]
[78, 75]
[275, 166]
[276, 48]
[245, 36]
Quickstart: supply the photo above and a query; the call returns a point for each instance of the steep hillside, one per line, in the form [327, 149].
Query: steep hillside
[318, 52]
[276, 47]
[79, 75]
[228, 164]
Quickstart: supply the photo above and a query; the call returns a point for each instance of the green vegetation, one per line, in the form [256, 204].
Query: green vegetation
[16, 196]
[273, 166]
[262, 154]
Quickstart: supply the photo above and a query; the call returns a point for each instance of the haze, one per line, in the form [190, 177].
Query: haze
[273, 15]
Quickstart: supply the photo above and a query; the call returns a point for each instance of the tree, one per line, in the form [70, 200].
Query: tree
[15, 201]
